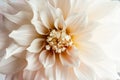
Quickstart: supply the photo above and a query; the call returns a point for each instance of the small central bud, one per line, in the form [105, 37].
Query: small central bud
[58, 41]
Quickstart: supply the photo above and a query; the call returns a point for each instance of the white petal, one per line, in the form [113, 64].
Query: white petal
[58, 72]
[64, 5]
[11, 65]
[13, 49]
[69, 60]
[40, 28]
[90, 52]
[14, 76]
[29, 75]
[24, 35]
[40, 75]
[75, 24]
[33, 62]
[99, 9]
[106, 69]
[71, 74]
[36, 45]
[3, 39]
[47, 18]
[19, 18]
[84, 72]
[47, 58]
[59, 21]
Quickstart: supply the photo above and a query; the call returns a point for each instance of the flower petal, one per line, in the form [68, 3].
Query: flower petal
[102, 9]
[3, 39]
[29, 75]
[21, 17]
[40, 28]
[36, 46]
[75, 24]
[69, 60]
[58, 72]
[59, 22]
[13, 49]
[90, 52]
[14, 76]
[64, 5]
[33, 62]
[24, 35]
[40, 75]
[12, 65]
[47, 58]
[84, 72]
[47, 18]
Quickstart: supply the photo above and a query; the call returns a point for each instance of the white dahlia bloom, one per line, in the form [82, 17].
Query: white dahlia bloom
[51, 40]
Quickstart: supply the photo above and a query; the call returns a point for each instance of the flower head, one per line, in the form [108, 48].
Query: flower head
[50, 40]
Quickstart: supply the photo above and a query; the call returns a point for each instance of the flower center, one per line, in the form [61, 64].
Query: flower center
[58, 41]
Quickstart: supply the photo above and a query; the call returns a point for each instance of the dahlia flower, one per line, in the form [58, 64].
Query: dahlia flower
[51, 40]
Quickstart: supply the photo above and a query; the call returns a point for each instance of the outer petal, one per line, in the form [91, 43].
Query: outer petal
[84, 72]
[104, 72]
[16, 76]
[40, 75]
[33, 62]
[24, 35]
[29, 75]
[90, 52]
[13, 49]
[47, 58]
[36, 46]
[19, 18]
[3, 39]
[101, 10]
[11, 65]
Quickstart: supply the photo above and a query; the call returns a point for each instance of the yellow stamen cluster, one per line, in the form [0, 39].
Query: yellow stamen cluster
[58, 41]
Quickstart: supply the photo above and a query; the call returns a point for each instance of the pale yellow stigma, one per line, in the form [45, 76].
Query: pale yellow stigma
[58, 41]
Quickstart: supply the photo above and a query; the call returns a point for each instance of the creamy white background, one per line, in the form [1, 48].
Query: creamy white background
[112, 48]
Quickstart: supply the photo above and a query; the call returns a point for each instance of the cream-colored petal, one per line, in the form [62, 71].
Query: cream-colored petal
[75, 24]
[99, 9]
[40, 75]
[69, 60]
[73, 51]
[15, 76]
[47, 58]
[47, 18]
[71, 74]
[14, 49]
[3, 39]
[24, 35]
[84, 72]
[29, 75]
[87, 33]
[36, 45]
[90, 52]
[33, 62]
[58, 72]
[106, 69]
[59, 21]
[12, 65]
[64, 5]
[21, 17]
[40, 28]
